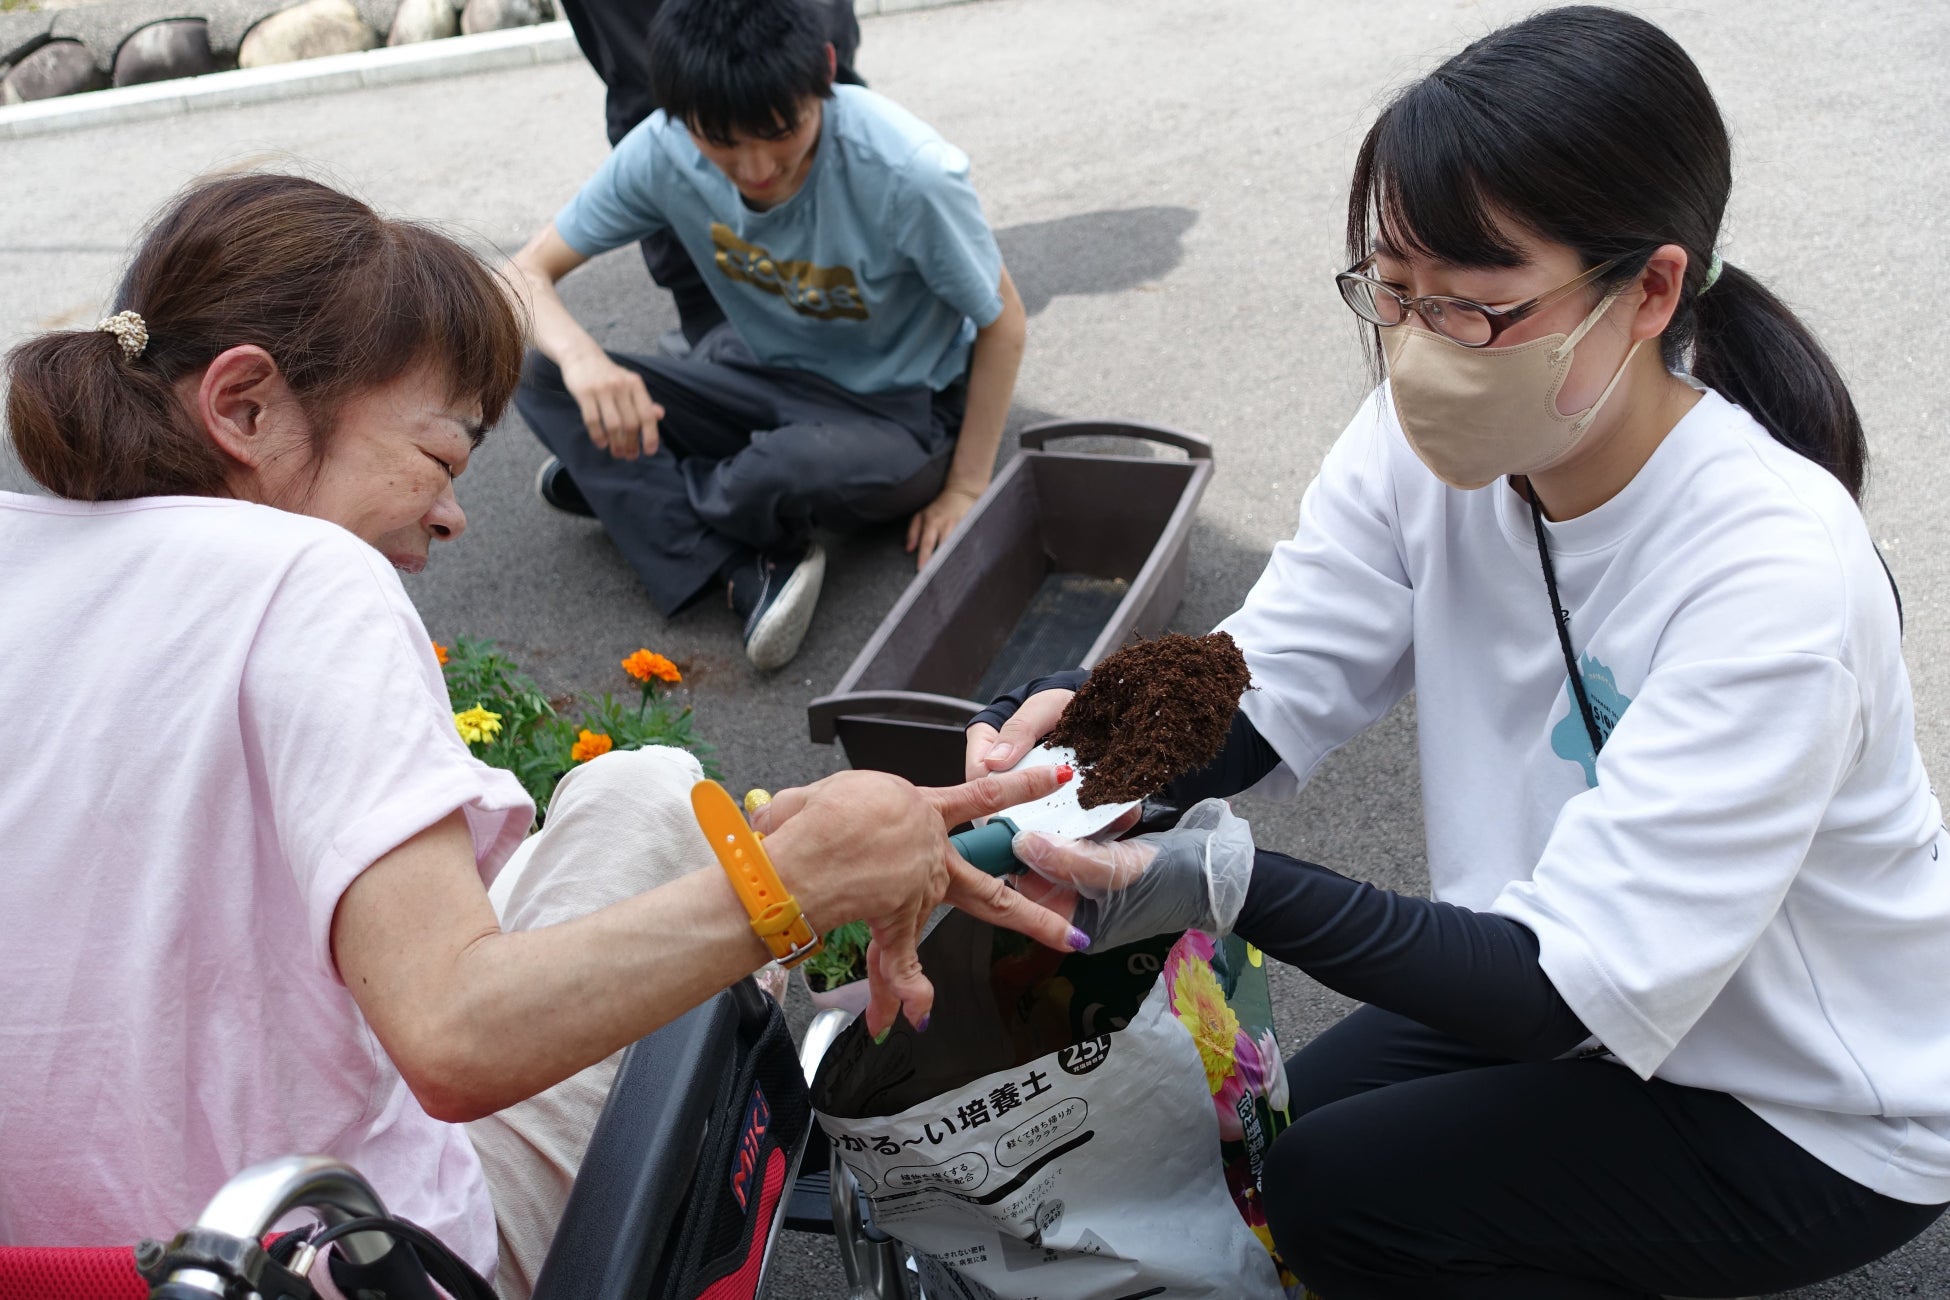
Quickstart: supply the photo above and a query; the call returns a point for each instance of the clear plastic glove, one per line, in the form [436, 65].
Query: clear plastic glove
[1193, 876]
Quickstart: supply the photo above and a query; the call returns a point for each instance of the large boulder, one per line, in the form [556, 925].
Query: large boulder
[22, 31]
[230, 21]
[105, 26]
[307, 31]
[380, 14]
[56, 68]
[423, 20]
[175, 47]
[493, 15]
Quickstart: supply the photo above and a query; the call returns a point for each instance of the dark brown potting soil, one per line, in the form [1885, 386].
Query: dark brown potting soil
[1152, 712]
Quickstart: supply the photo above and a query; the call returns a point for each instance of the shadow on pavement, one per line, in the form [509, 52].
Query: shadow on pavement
[1093, 252]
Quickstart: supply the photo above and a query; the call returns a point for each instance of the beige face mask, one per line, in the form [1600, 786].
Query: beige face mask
[1475, 415]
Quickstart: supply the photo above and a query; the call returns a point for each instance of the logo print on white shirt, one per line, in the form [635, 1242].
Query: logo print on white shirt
[1569, 739]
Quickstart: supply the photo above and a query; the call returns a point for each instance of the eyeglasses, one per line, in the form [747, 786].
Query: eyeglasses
[1457, 319]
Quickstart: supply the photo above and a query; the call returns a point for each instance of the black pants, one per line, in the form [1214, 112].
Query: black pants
[750, 458]
[614, 35]
[1419, 1169]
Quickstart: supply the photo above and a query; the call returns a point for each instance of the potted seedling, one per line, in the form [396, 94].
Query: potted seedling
[836, 975]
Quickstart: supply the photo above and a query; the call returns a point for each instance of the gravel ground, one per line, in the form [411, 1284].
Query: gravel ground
[1167, 180]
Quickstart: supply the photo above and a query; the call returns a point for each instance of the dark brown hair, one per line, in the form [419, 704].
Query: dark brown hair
[343, 299]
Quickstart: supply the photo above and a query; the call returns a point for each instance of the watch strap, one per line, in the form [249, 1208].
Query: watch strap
[774, 912]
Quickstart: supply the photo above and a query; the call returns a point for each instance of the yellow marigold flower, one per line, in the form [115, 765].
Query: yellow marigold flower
[478, 726]
[589, 744]
[645, 667]
[1201, 1007]
[440, 653]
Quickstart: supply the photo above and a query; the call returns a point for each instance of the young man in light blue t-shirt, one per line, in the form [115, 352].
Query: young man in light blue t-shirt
[871, 341]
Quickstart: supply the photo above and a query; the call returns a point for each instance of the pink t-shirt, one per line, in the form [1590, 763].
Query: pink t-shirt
[213, 717]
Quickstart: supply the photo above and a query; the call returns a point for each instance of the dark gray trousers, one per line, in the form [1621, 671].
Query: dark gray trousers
[1420, 1168]
[750, 458]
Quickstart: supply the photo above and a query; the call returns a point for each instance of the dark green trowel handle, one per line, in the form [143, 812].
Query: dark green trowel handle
[987, 847]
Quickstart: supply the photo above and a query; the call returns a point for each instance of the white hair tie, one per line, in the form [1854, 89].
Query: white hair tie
[129, 329]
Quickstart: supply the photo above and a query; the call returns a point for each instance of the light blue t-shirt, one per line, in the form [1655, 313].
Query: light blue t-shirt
[875, 275]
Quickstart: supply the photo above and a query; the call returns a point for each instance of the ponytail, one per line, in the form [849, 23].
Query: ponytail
[1750, 348]
[343, 300]
[91, 425]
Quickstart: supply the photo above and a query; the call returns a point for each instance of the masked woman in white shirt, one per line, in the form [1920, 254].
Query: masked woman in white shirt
[1674, 1022]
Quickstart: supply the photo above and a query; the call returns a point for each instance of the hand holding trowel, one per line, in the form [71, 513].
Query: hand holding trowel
[987, 847]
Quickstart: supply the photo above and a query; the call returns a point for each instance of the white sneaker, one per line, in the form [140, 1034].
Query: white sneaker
[777, 595]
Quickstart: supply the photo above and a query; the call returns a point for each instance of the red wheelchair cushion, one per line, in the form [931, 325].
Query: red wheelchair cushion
[70, 1273]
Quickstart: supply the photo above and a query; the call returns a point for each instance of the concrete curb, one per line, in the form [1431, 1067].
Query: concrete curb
[453, 56]
[387, 66]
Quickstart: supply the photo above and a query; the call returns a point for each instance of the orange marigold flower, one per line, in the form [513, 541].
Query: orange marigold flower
[590, 744]
[645, 667]
[440, 653]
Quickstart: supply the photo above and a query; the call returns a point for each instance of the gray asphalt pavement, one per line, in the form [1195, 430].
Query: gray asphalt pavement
[1168, 180]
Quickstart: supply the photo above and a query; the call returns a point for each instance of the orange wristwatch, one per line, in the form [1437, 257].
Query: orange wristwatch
[774, 912]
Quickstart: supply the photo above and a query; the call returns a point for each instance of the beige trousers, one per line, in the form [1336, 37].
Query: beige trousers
[617, 826]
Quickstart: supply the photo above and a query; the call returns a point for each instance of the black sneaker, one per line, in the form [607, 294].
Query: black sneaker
[775, 595]
[554, 486]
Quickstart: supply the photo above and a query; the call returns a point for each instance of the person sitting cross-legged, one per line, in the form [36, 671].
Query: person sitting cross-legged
[872, 335]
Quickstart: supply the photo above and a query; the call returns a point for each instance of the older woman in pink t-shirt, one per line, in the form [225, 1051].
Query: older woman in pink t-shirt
[244, 857]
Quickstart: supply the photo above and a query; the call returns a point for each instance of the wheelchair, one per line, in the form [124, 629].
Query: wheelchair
[705, 1151]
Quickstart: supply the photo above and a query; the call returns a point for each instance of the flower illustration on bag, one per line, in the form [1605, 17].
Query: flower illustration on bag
[1200, 1005]
[478, 726]
[1275, 1089]
[1239, 1065]
[1248, 1080]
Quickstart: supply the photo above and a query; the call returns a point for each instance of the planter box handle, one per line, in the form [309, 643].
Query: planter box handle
[823, 714]
[1036, 435]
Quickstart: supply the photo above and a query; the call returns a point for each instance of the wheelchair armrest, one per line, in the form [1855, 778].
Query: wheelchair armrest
[682, 1189]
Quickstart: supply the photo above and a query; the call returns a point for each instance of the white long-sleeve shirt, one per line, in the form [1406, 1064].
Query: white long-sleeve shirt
[1749, 889]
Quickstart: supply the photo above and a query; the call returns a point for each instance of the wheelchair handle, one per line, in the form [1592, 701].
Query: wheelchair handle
[247, 1206]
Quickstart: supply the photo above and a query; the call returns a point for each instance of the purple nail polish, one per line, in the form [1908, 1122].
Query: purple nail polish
[922, 1026]
[1079, 941]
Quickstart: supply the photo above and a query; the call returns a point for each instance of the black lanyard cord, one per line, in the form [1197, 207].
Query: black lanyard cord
[1563, 620]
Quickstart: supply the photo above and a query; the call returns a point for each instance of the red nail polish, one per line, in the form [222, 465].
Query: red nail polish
[1064, 771]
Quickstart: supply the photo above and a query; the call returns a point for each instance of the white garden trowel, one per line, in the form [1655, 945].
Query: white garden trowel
[987, 846]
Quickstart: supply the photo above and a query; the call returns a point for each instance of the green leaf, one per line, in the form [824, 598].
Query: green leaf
[844, 958]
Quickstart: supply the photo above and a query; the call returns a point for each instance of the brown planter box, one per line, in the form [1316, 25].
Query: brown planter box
[1063, 560]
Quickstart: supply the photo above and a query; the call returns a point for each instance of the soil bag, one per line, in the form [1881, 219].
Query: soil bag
[1073, 1126]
